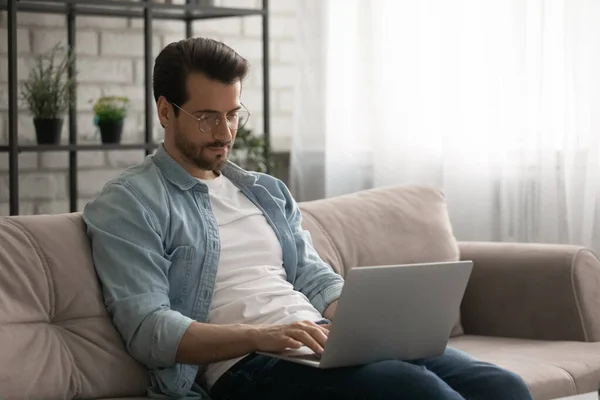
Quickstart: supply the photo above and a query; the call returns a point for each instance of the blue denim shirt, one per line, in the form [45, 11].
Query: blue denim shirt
[155, 246]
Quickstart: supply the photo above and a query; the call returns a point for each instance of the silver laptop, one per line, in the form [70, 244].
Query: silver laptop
[403, 312]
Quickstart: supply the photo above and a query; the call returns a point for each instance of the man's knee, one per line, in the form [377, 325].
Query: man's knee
[503, 384]
[516, 387]
[400, 380]
[476, 379]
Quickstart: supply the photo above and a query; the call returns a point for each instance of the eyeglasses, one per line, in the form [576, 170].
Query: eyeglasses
[209, 120]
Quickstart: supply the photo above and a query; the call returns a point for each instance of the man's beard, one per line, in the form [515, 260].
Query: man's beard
[193, 152]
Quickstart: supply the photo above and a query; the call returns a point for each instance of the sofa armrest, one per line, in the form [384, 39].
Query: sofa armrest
[532, 291]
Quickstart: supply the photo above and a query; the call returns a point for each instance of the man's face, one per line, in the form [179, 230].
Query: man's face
[208, 100]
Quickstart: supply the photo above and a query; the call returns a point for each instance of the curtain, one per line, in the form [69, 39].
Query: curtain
[497, 103]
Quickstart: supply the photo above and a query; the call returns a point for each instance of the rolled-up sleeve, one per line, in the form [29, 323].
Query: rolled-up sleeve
[127, 251]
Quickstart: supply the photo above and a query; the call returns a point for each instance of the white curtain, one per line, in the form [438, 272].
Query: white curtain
[495, 102]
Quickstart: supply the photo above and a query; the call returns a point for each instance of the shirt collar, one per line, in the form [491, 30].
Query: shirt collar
[179, 177]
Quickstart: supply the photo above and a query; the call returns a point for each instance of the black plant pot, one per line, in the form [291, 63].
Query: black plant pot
[48, 130]
[111, 131]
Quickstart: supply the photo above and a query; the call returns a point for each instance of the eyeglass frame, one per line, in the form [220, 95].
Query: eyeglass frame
[199, 120]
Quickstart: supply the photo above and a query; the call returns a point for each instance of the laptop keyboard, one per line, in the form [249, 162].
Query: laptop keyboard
[308, 357]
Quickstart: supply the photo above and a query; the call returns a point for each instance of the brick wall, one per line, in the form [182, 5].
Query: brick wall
[110, 61]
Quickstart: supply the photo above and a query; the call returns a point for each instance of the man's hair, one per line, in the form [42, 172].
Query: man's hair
[177, 60]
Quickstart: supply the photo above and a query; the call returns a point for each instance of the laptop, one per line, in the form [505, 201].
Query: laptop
[403, 312]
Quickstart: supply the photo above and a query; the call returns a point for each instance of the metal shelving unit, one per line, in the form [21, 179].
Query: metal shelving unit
[148, 11]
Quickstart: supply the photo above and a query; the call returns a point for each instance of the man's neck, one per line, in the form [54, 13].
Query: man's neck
[205, 174]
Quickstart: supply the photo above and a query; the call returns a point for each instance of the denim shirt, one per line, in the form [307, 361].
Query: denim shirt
[155, 246]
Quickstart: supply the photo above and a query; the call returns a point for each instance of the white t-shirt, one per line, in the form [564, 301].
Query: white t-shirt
[251, 286]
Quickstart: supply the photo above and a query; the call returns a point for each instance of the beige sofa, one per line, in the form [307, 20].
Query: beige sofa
[534, 309]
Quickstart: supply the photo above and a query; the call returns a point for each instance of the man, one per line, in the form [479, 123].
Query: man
[202, 263]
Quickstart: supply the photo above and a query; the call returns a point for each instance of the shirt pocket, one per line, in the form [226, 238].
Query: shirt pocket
[182, 261]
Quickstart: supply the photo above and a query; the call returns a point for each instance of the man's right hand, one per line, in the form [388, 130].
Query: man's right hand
[277, 338]
[205, 343]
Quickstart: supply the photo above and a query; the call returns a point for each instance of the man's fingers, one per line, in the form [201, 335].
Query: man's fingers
[318, 331]
[307, 333]
[307, 339]
[292, 343]
[319, 334]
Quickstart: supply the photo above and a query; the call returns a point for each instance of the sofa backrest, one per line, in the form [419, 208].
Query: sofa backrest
[57, 340]
[390, 225]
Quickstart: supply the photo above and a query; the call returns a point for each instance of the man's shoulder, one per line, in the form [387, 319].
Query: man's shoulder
[138, 185]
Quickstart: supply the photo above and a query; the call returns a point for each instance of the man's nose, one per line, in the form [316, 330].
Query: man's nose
[222, 131]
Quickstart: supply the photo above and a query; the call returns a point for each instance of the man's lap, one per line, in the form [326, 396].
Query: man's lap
[453, 376]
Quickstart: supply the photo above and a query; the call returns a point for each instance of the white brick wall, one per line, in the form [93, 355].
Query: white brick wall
[110, 61]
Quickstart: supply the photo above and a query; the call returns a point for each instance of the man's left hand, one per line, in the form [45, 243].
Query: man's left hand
[330, 310]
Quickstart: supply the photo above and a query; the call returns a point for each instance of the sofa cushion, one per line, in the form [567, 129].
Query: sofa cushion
[56, 339]
[551, 369]
[390, 225]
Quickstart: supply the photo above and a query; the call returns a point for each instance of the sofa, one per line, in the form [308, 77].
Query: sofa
[531, 308]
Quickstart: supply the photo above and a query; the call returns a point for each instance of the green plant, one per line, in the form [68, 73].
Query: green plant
[248, 151]
[48, 90]
[111, 108]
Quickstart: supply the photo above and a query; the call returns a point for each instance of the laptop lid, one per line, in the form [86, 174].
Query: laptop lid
[396, 312]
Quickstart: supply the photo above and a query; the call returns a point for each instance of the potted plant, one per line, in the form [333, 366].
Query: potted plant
[110, 113]
[248, 151]
[48, 93]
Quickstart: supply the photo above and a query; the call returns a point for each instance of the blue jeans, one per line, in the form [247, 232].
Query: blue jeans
[452, 376]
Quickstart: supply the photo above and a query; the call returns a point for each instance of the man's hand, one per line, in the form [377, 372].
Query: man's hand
[205, 343]
[276, 338]
[330, 310]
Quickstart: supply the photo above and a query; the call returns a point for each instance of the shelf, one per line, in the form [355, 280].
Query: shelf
[148, 11]
[82, 147]
[130, 9]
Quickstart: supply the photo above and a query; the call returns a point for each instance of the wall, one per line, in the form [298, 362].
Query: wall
[110, 61]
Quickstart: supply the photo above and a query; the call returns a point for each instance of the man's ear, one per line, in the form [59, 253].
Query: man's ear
[164, 111]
